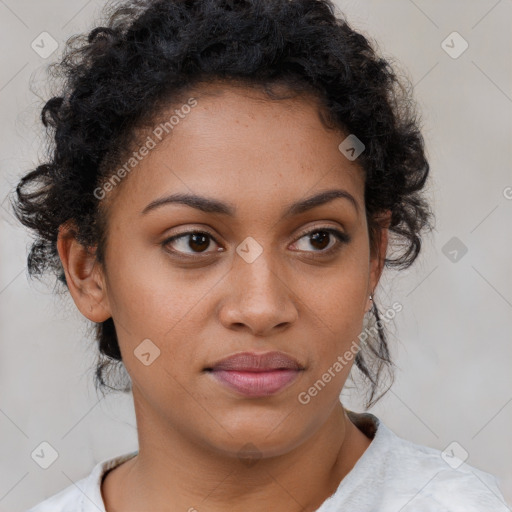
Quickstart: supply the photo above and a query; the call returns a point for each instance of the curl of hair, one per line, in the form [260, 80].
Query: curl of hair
[148, 53]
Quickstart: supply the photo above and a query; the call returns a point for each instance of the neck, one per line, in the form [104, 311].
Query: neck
[172, 472]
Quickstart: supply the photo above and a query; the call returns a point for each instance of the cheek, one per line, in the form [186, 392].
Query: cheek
[147, 294]
[334, 333]
[337, 295]
[334, 307]
[163, 304]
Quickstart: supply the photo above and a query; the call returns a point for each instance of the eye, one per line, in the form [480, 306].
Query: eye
[191, 242]
[324, 240]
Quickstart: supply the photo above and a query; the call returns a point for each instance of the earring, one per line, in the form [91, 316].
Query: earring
[371, 298]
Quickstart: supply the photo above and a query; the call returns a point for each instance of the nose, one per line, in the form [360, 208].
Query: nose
[258, 300]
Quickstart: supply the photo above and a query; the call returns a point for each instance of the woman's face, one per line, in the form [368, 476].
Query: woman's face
[266, 273]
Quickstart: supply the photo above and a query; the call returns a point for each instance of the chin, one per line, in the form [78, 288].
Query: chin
[250, 437]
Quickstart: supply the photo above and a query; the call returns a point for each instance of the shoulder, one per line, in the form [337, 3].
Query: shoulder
[413, 477]
[83, 495]
[440, 480]
[466, 489]
[67, 500]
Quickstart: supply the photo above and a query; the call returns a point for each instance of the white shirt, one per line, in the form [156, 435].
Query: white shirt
[392, 475]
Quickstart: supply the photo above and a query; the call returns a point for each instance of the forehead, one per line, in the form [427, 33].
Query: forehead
[237, 144]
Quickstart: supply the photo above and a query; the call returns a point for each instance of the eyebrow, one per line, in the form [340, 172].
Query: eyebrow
[209, 205]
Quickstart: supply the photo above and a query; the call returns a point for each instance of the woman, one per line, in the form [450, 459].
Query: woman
[225, 180]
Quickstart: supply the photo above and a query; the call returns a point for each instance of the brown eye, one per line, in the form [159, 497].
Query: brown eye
[198, 241]
[320, 240]
[193, 242]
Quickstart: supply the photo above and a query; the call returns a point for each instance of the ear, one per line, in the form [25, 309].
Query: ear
[84, 276]
[378, 253]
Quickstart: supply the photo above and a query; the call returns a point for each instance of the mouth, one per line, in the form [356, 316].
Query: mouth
[256, 375]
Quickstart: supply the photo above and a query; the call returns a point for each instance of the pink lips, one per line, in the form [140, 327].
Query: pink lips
[256, 375]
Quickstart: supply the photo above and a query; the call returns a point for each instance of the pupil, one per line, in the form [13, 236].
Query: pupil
[320, 236]
[194, 240]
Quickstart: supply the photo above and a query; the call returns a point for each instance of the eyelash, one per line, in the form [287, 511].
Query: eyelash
[341, 237]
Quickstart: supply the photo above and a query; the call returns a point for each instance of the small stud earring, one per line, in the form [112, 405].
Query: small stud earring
[371, 298]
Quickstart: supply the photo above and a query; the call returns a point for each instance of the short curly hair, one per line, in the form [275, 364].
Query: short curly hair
[148, 53]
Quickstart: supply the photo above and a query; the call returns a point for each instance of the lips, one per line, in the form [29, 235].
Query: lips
[251, 362]
[256, 375]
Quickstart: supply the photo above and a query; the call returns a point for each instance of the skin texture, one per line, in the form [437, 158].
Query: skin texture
[258, 155]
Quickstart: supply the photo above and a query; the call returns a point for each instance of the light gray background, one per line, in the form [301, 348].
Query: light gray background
[451, 342]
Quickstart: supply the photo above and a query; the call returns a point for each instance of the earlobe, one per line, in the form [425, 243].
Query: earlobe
[84, 276]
